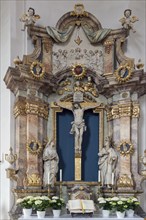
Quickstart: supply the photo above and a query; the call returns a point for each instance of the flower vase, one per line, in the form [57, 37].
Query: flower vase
[130, 213]
[105, 213]
[27, 212]
[41, 214]
[56, 213]
[120, 214]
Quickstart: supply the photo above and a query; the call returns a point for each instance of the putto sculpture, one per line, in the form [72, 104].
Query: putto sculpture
[30, 18]
[128, 20]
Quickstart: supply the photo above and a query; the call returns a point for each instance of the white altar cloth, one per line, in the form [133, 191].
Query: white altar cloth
[68, 217]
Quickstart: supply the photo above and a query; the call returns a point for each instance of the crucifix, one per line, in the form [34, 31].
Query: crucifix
[78, 127]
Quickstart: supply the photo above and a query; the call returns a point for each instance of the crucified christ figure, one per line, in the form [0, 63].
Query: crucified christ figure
[78, 125]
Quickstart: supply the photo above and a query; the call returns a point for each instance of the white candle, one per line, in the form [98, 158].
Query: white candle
[60, 175]
[48, 177]
[112, 178]
[99, 176]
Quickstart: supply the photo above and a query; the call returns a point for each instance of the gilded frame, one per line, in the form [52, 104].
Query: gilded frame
[81, 74]
[37, 70]
[34, 147]
[125, 148]
[123, 73]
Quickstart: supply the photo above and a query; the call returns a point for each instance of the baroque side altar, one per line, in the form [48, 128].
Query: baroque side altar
[76, 110]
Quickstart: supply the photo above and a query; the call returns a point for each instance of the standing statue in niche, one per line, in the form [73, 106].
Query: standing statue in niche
[51, 160]
[107, 163]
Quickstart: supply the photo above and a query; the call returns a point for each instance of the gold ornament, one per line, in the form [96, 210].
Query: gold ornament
[78, 71]
[125, 148]
[34, 147]
[123, 73]
[37, 70]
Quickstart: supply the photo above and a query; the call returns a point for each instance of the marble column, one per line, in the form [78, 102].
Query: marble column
[20, 120]
[125, 113]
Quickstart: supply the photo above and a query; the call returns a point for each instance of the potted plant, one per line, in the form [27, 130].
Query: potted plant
[105, 204]
[26, 203]
[119, 205]
[40, 205]
[132, 203]
[56, 203]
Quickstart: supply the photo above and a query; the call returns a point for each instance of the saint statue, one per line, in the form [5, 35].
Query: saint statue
[107, 163]
[51, 160]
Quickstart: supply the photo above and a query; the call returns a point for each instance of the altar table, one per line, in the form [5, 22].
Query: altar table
[68, 217]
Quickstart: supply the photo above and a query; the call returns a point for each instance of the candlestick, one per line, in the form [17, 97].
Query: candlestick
[60, 175]
[49, 190]
[48, 178]
[113, 178]
[99, 179]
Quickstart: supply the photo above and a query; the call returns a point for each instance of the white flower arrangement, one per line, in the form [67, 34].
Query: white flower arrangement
[41, 203]
[26, 202]
[118, 203]
[105, 203]
[56, 202]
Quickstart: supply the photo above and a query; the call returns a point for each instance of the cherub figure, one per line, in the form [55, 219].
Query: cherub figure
[127, 21]
[30, 18]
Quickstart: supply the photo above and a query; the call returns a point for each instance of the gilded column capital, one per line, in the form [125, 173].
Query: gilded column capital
[40, 109]
[19, 108]
[32, 108]
[23, 108]
[123, 110]
[136, 110]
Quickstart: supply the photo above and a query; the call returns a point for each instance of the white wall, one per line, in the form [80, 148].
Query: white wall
[15, 42]
[11, 45]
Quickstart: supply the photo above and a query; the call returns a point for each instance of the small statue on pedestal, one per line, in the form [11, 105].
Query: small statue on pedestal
[107, 163]
[51, 160]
